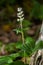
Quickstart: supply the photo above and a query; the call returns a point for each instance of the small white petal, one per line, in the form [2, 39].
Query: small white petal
[18, 19]
[20, 13]
[19, 9]
[19, 16]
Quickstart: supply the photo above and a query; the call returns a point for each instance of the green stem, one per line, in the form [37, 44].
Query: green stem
[23, 40]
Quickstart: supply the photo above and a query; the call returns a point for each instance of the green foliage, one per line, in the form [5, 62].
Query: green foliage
[30, 48]
[26, 26]
[5, 60]
[10, 47]
[18, 63]
[29, 43]
[37, 10]
[8, 59]
[26, 23]
[39, 46]
[19, 45]
[41, 12]
[0, 43]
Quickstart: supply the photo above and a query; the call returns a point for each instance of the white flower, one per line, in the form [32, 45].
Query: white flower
[20, 14]
[19, 9]
[18, 19]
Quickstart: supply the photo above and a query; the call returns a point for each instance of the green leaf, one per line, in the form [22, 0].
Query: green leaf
[11, 47]
[8, 59]
[26, 23]
[18, 63]
[38, 46]
[28, 46]
[17, 31]
[5, 60]
[41, 12]
[18, 45]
